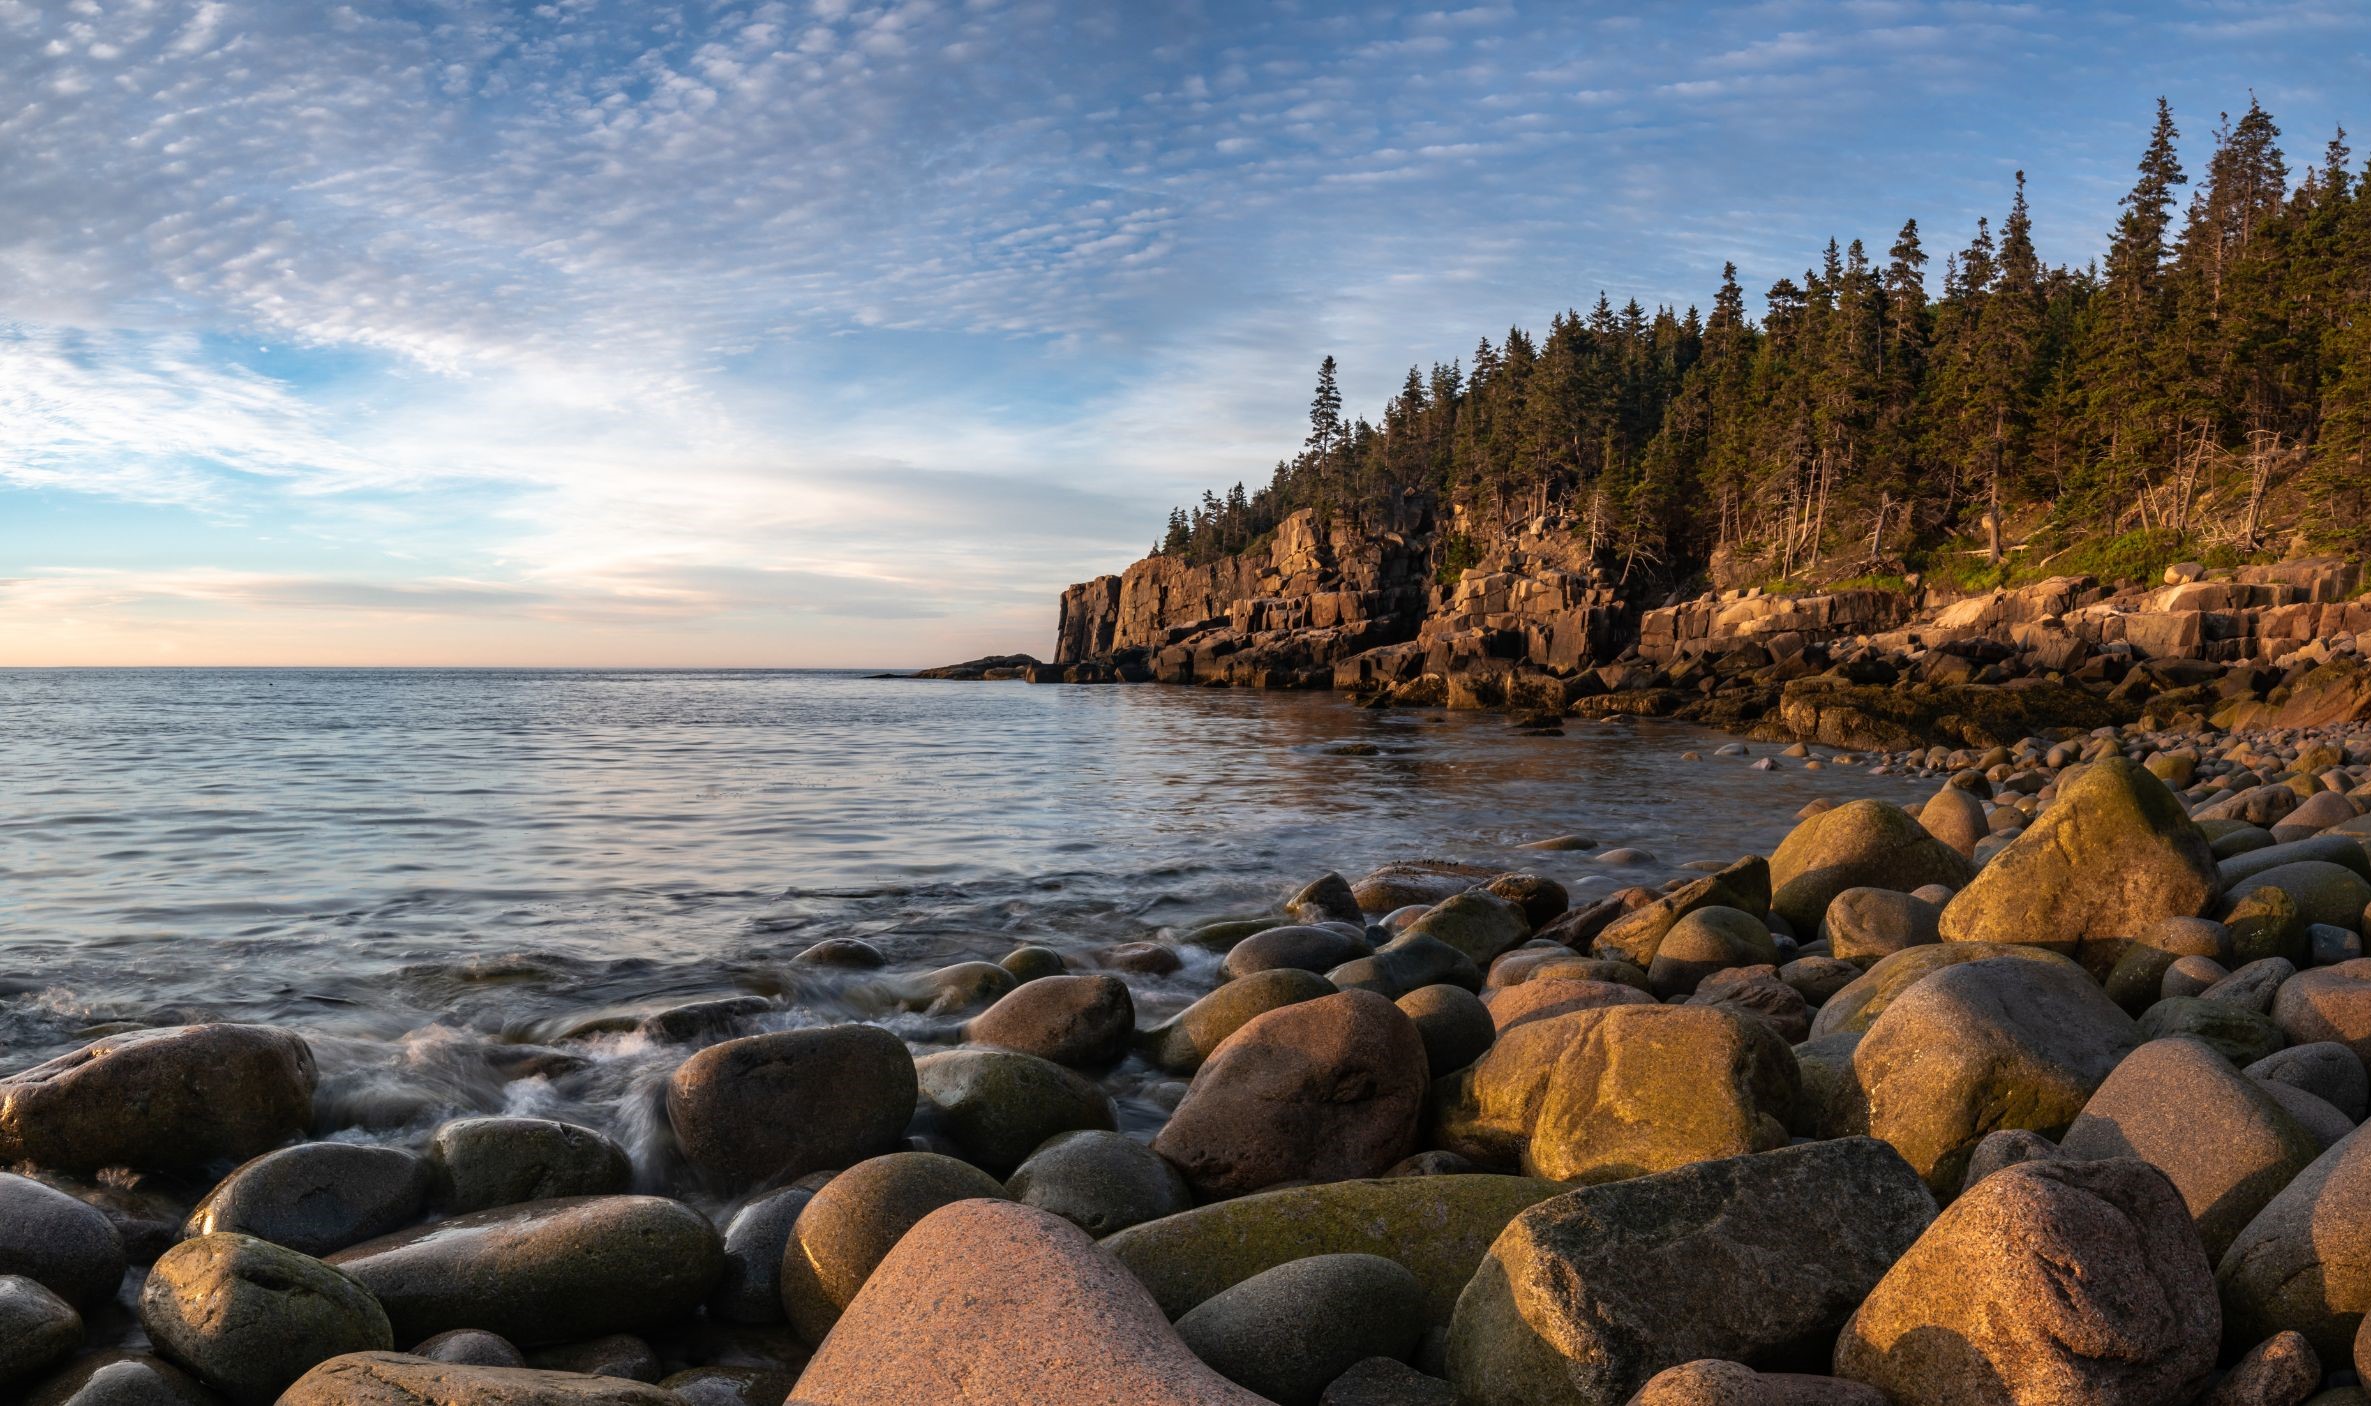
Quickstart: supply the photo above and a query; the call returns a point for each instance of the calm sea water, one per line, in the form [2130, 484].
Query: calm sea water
[428, 870]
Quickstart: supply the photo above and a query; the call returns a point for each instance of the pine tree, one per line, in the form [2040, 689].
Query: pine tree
[1325, 411]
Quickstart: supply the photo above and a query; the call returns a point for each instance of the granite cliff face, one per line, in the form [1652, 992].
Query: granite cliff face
[1534, 625]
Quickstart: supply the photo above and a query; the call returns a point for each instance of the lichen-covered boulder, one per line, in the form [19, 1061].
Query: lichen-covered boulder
[1618, 1091]
[1858, 1005]
[2048, 1282]
[1860, 844]
[1588, 1295]
[2110, 857]
[2002, 1043]
[1436, 1227]
[171, 1099]
[1320, 1091]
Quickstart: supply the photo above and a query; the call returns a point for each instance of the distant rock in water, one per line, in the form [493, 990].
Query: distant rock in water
[991, 666]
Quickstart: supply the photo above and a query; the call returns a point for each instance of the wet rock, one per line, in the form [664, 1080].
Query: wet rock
[1150, 958]
[1031, 963]
[2223, 1142]
[1309, 949]
[467, 1347]
[702, 1020]
[1715, 1383]
[998, 1106]
[173, 1099]
[792, 1102]
[2052, 1281]
[1453, 1024]
[731, 1386]
[2001, 1043]
[1861, 844]
[2325, 1069]
[481, 1163]
[750, 1289]
[1425, 881]
[2240, 1035]
[1615, 1092]
[2304, 1262]
[1436, 1227]
[962, 987]
[248, 1317]
[1708, 940]
[1327, 898]
[1541, 899]
[613, 1355]
[988, 1303]
[56, 1241]
[1083, 1021]
[544, 1272]
[1323, 1090]
[1588, 1295]
[845, 953]
[855, 1220]
[1288, 1332]
[1478, 923]
[1863, 925]
[1757, 993]
[120, 1379]
[1180, 1044]
[1101, 1182]
[317, 1197]
[38, 1330]
[394, 1379]
[2282, 1370]
[2264, 924]
[2112, 855]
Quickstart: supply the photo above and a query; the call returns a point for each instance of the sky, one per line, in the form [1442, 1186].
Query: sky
[835, 333]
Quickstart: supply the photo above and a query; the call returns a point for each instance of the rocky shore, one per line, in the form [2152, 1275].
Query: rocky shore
[2047, 1089]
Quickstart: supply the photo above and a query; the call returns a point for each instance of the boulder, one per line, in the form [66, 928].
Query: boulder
[38, 1330]
[1715, 1383]
[1861, 844]
[987, 1303]
[481, 1163]
[1478, 923]
[170, 1099]
[2326, 893]
[1287, 1332]
[1598, 1095]
[1707, 940]
[317, 1197]
[1510, 1006]
[1637, 935]
[1101, 1182]
[1587, 1296]
[2001, 1043]
[1405, 963]
[2239, 1034]
[58, 1242]
[791, 1102]
[1326, 899]
[2253, 985]
[1180, 1044]
[1865, 925]
[1084, 1021]
[2265, 924]
[2223, 1142]
[120, 1379]
[543, 1272]
[731, 1386]
[611, 1355]
[1956, 817]
[2325, 1069]
[2007, 1148]
[2282, 1370]
[467, 1347]
[2047, 1282]
[2110, 857]
[394, 1379]
[1320, 1091]
[1383, 1381]
[855, 1220]
[1436, 1227]
[1454, 1024]
[1757, 993]
[1856, 1007]
[997, 1106]
[2328, 1004]
[248, 1317]
[1309, 949]
[750, 1288]
[2304, 1262]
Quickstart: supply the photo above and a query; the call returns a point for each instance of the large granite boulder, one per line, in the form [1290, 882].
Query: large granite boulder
[1596, 1095]
[792, 1102]
[988, 1303]
[396, 1379]
[317, 1197]
[1856, 1007]
[2304, 1262]
[66, 1246]
[2113, 855]
[1588, 1295]
[248, 1317]
[855, 1220]
[2218, 1136]
[1860, 844]
[1319, 1091]
[1436, 1227]
[2046, 1283]
[543, 1272]
[2002, 1043]
[171, 1099]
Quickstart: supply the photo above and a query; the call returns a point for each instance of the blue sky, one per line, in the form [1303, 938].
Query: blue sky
[828, 332]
